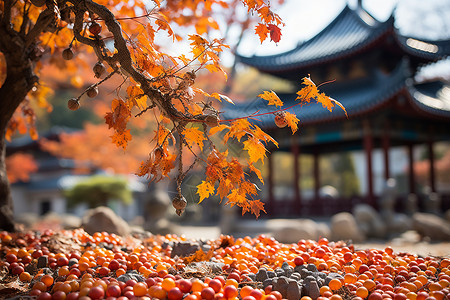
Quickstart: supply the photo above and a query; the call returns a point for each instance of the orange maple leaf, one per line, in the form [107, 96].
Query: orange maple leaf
[205, 189]
[121, 138]
[194, 136]
[256, 150]
[292, 121]
[262, 31]
[256, 206]
[275, 32]
[272, 98]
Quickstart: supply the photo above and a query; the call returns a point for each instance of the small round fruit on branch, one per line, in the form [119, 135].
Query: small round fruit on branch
[99, 69]
[92, 92]
[280, 119]
[67, 54]
[73, 104]
[179, 203]
[95, 28]
[38, 3]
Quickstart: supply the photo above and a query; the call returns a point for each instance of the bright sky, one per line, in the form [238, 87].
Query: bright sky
[305, 18]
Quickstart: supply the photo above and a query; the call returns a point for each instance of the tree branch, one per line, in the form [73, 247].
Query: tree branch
[44, 19]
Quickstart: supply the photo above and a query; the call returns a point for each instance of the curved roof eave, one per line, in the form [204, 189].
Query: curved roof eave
[357, 34]
[358, 101]
[432, 99]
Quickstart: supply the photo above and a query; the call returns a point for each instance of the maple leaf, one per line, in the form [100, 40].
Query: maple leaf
[262, 31]
[308, 91]
[292, 121]
[119, 116]
[275, 32]
[256, 206]
[340, 105]
[272, 98]
[256, 171]
[205, 189]
[325, 101]
[214, 130]
[224, 188]
[194, 136]
[238, 129]
[236, 198]
[121, 139]
[256, 149]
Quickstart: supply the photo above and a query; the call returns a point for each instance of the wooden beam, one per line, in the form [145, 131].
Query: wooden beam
[411, 179]
[386, 143]
[296, 153]
[368, 148]
[432, 168]
[270, 185]
[316, 174]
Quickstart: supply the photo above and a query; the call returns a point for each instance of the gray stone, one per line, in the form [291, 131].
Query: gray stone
[399, 223]
[261, 275]
[344, 227]
[104, 219]
[267, 282]
[313, 290]
[295, 230]
[431, 226]
[369, 221]
[281, 285]
[311, 267]
[294, 291]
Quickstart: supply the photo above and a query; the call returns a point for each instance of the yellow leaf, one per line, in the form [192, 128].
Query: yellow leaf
[194, 136]
[292, 121]
[256, 149]
[257, 172]
[121, 139]
[256, 206]
[325, 101]
[308, 91]
[340, 105]
[216, 129]
[205, 189]
[272, 98]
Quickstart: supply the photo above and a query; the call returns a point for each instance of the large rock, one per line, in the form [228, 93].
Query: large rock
[295, 230]
[432, 226]
[344, 227]
[104, 219]
[369, 221]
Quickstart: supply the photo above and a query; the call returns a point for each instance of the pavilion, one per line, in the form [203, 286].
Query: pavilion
[374, 69]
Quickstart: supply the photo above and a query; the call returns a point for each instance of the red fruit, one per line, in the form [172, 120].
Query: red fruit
[208, 293]
[37, 254]
[103, 271]
[175, 294]
[11, 258]
[230, 291]
[17, 270]
[298, 261]
[96, 292]
[215, 284]
[73, 296]
[150, 281]
[235, 276]
[62, 261]
[280, 119]
[363, 268]
[113, 290]
[59, 295]
[257, 294]
[44, 296]
[95, 28]
[184, 285]
[114, 265]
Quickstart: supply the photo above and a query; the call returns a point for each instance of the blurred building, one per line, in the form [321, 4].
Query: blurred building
[374, 67]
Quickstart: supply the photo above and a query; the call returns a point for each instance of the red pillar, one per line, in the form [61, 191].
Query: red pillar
[316, 174]
[368, 147]
[296, 153]
[271, 203]
[411, 181]
[432, 169]
[386, 145]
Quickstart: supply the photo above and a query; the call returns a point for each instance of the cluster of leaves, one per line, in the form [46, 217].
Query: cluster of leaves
[19, 166]
[163, 84]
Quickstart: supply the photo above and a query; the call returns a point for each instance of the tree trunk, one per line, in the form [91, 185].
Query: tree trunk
[20, 79]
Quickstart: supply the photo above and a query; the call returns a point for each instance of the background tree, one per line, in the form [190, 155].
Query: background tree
[97, 190]
[124, 37]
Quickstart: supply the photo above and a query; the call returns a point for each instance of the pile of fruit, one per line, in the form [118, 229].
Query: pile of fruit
[75, 265]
